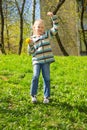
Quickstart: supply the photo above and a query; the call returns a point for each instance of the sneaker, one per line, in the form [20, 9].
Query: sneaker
[34, 99]
[46, 100]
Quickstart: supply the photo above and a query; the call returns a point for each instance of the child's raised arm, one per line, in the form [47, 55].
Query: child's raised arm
[54, 29]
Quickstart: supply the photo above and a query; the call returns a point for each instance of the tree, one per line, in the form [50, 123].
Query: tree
[33, 10]
[2, 29]
[7, 30]
[82, 26]
[20, 11]
[82, 12]
[54, 7]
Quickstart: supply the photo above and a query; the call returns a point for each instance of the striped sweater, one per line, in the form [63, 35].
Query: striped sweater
[40, 48]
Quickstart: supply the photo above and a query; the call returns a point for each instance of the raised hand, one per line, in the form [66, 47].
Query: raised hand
[50, 14]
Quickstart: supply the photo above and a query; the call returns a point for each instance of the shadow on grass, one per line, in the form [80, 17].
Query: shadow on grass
[64, 105]
[19, 110]
[27, 109]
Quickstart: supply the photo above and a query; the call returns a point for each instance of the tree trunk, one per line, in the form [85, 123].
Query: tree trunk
[20, 11]
[82, 27]
[7, 30]
[2, 29]
[33, 11]
[21, 35]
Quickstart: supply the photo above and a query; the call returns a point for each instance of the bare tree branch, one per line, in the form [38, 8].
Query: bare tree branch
[58, 6]
[60, 3]
[17, 7]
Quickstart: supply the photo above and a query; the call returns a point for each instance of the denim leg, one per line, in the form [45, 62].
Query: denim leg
[34, 84]
[46, 78]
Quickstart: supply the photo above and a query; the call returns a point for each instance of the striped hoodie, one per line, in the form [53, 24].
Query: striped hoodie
[40, 48]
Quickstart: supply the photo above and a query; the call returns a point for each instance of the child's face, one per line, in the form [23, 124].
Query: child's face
[39, 28]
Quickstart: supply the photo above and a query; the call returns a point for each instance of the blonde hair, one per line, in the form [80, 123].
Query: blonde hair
[40, 21]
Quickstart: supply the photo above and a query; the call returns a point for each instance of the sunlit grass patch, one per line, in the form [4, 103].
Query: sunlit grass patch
[67, 109]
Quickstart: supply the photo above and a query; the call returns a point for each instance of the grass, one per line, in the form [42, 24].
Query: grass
[68, 107]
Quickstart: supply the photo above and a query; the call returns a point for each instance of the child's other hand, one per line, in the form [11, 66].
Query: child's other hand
[29, 40]
[50, 14]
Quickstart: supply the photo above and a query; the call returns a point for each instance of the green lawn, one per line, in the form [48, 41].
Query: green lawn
[67, 109]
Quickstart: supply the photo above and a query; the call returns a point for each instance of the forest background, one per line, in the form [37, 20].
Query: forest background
[17, 17]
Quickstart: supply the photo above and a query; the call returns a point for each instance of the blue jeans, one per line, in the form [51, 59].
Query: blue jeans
[46, 78]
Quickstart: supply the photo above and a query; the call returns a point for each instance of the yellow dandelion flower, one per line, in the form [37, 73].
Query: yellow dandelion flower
[28, 40]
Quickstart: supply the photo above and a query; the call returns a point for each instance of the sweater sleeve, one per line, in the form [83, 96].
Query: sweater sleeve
[31, 48]
[54, 29]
